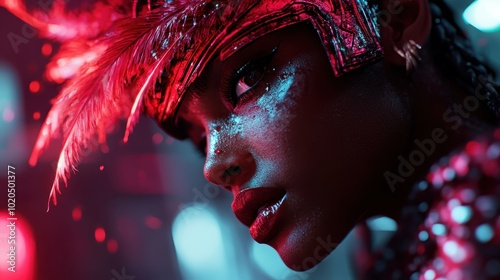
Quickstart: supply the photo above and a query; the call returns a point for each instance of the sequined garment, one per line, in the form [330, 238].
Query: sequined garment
[451, 227]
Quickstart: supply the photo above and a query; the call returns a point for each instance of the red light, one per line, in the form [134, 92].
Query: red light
[47, 49]
[101, 167]
[36, 115]
[474, 148]
[76, 214]
[104, 149]
[157, 138]
[34, 86]
[112, 246]
[152, 222]
[100, 234]
[22, 258]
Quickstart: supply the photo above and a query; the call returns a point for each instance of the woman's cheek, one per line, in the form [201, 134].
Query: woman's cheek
[267, 120]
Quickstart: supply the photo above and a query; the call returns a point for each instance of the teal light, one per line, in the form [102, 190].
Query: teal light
[12, 139]
[199, 245]
[383, 224]
[483, 15]
[484, 233]
[439, 229]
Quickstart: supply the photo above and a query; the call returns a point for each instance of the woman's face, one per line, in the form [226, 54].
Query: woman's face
[303, 152]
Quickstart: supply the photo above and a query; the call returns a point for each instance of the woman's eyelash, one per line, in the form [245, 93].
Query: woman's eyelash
[236, 74]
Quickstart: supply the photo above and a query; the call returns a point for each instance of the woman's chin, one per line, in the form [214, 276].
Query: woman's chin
[300, 253]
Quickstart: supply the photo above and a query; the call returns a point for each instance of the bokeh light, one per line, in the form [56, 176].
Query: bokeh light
[152, 222]
[199, 246]
[34, 86]
[36, 116]
[25, 249]
[112, 246]
[483, 15]
[76, 214]
[47, 49]
[100, 234]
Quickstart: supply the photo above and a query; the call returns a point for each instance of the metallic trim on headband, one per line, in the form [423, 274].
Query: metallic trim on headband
[355, 42]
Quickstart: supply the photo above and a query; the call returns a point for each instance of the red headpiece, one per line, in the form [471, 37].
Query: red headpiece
[116, 65]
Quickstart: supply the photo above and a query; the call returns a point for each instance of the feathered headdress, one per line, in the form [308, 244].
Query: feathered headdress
[116, 64]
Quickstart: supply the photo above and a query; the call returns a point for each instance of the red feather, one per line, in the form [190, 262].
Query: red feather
[105, 76]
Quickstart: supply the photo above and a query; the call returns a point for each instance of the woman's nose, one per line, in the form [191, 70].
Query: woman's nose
[229, 163]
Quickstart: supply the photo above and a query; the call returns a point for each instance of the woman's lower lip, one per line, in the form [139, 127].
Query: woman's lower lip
[262, 226]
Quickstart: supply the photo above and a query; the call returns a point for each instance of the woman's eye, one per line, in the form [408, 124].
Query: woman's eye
[249, 76]
[249, 80]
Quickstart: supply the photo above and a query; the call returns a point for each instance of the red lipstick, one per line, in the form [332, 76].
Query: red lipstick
[258, 209]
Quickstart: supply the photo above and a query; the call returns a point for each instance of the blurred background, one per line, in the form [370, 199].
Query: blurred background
[141, 210]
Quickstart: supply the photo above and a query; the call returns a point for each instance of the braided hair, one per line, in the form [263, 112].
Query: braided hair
[453, 53]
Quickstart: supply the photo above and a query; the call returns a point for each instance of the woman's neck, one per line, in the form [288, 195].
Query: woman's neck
[441, 123]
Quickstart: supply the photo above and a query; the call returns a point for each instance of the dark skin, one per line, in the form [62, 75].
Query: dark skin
[287, 122]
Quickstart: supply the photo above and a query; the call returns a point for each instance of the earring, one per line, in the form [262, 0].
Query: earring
[410, 54]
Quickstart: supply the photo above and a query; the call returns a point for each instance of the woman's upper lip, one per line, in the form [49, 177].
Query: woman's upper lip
[247, 202]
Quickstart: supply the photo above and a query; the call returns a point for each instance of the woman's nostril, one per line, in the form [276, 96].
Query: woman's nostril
[229, 174]
[232, 171]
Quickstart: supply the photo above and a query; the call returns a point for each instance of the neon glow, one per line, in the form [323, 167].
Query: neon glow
[34, 86]
[112, 246]
[76, 214]
[13, 146]
[483, 15]
[153, 222]
[47, 49]
[198, 243]
[36, 116]
[382, 224]
[269, 261]
[23, 256]
[100, 235]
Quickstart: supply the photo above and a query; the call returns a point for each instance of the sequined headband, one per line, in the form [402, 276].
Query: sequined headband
[116, 66]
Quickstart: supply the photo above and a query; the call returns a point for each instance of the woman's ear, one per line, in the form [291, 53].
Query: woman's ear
[402, 21]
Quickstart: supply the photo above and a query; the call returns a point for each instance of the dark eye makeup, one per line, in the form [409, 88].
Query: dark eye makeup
[241, 83]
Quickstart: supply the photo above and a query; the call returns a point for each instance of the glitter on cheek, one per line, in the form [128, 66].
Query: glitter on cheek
[259, 126]
[266, 121]
[277, 102]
